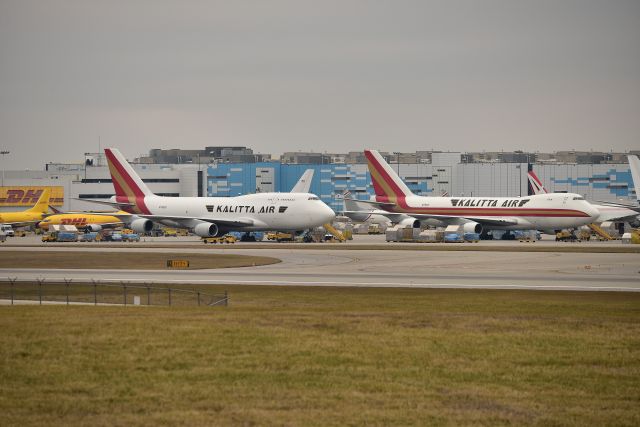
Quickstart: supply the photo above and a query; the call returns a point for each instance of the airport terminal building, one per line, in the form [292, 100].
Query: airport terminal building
[241, 172]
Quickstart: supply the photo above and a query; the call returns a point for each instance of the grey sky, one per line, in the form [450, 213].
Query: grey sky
[319, 75]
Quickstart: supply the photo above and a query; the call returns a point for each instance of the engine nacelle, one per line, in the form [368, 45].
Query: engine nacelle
[409, 222]
[206, 229]
[92, 228]
[141, 225]
[472, 227]
[358, 217]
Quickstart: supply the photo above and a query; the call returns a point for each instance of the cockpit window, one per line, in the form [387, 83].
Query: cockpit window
[578, 198]
[313, 198]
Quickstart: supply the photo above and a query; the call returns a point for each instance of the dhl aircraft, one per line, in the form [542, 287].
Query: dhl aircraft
[85, 220]
[211, 216]
[30, 216]
[474, 214]
[607, 211]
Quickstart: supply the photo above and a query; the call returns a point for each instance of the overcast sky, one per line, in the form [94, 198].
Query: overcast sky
[324, 75]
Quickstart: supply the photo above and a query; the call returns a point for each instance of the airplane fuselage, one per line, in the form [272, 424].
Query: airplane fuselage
[20, 217]
[545, 211]
[265, 211]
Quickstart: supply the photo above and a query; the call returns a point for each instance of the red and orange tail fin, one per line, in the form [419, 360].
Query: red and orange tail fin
[386, 183]
[536, 184]
[128, 185]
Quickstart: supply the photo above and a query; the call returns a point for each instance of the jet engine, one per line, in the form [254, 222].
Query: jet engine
[141, 225]
[472, 227]
[409, 222]
[92, 227]
[206, 229]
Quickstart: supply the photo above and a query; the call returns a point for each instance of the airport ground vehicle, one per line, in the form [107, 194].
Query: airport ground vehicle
[170, 232]
[222, 239]
[565, 236]
[130, 237]
[7, 230]
[91, 237]
[60, 236]
[280, 237]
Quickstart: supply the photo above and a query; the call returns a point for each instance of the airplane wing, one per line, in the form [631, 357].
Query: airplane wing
[118, 205]
[371, 202]
[620, 205]
[393, 217]
[218, 221]
[497, 221]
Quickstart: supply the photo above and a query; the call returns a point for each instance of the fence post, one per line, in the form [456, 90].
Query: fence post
[169, 297]
[13, 281]
[95, 291]
[124, 287]
[67, 282]
[40, 280]
[198, 298]
[148, 285]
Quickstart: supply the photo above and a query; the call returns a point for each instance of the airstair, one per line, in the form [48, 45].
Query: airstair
[600, 232]
[331, 229]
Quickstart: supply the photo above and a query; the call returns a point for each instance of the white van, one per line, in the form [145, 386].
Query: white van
[7, 230]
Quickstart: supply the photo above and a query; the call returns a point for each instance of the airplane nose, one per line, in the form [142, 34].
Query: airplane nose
[327, 214]
[593, 212]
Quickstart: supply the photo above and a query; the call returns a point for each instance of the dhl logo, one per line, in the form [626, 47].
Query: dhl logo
[28, 196]
[21, 196]
[73, 221]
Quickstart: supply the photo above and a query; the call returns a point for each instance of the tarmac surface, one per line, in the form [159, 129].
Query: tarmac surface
[385, 267]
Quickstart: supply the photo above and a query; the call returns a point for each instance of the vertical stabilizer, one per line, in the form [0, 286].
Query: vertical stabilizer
[536, 184]
[634, 164]
[304, 183]
[386, 183]
[126, 182]
[42, 205]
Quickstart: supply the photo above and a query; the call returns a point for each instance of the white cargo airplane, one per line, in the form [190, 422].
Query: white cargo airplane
[211, 216]
[608, 211]
[542, 212]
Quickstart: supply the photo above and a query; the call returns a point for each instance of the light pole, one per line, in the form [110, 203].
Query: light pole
[4, 153]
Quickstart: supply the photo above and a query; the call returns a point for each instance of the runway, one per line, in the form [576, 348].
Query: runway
[382, 268]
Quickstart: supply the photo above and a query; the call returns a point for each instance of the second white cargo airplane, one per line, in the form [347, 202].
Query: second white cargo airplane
[212, 216]
[542, 212]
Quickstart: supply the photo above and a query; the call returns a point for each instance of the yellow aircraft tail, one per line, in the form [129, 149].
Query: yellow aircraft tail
[42, 205]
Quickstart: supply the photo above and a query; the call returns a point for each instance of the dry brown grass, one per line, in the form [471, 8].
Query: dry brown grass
[325, 356]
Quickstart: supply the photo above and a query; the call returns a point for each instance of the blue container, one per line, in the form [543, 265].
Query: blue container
[452, 237]
[470, 237]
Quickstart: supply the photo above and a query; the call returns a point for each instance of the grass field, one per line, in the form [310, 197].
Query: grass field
[328, 356]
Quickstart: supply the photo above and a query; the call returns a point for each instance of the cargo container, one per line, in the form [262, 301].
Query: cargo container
[431, 236]
[452, 238]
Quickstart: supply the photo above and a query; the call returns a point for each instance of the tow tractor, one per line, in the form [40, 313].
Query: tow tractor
[221, 239]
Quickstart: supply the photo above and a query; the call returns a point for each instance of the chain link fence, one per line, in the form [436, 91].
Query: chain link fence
[43, 291]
